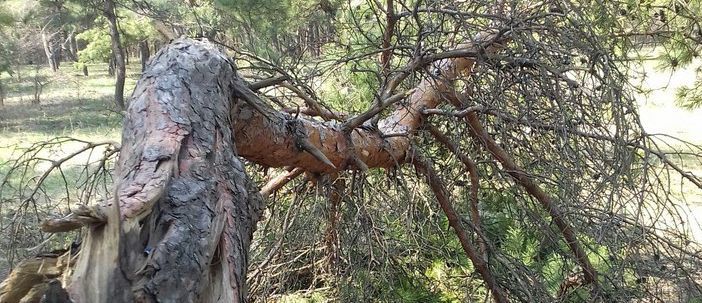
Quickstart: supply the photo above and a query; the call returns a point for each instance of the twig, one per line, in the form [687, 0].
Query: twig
[479, 133]
[268, 82]
[425, 168]
[473, 172]
[279, 181]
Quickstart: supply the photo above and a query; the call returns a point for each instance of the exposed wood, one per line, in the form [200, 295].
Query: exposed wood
[28, 280]
[82, 215]
[279, 181]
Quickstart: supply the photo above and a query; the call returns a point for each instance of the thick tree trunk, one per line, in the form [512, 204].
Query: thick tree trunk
[185, 210]
[118, 51]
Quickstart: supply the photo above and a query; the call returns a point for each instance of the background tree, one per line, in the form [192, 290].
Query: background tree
[110, 12]
[5, 50]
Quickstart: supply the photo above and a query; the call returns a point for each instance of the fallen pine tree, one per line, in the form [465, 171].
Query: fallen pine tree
[180, 224]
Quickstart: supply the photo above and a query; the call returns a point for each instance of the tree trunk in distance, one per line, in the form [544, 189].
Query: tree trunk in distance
[55, 48]
[38, 86]
[47, 51]
[118, 51]
[144, 54]
[111, 66]
[2, 95]
[73, 47]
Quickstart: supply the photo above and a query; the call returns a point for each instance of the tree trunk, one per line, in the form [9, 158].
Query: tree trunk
[73, 46]
[2, 95]
[55, 52]
[46, 42]
[118, 51]
[185, 210]
[111, 66]
[38, 86]
[144, 54]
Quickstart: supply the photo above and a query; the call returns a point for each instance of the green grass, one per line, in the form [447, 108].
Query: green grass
[71, 105]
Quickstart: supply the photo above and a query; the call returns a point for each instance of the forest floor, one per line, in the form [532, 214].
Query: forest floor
[74, 105]
[660, 115]
[70, 105]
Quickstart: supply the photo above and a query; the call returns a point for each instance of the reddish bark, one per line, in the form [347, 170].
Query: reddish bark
[272, 138]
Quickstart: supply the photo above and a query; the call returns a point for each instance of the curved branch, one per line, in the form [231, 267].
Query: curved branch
[442, 196]
[473, 172]
[268, 137]
[480, 134]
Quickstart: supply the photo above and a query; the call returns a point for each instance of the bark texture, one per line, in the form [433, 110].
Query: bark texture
[185, 210]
